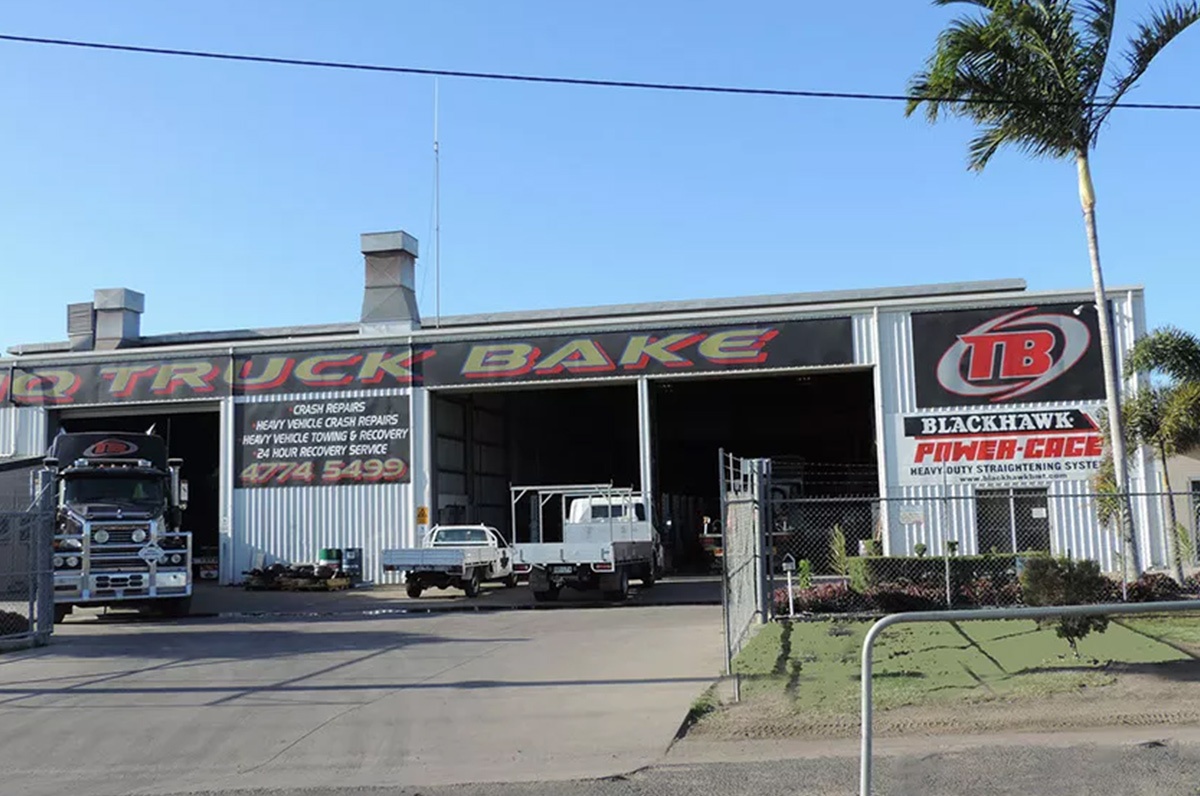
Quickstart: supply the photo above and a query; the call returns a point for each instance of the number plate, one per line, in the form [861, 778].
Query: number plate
[562, 569]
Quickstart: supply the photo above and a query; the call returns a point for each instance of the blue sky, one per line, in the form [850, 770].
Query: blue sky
[233, 194]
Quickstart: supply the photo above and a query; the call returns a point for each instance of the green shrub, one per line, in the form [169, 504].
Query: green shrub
[920, 548]
[804, 574]
[839, 561]
[1062, 581]
[868, 571]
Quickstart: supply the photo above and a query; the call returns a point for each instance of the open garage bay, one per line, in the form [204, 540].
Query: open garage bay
[352, 700]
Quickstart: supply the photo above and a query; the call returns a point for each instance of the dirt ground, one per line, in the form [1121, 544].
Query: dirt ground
[1139, 696]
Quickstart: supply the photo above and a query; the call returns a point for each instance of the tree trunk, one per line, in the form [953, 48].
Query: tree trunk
[1087, 198]
[1172, 537]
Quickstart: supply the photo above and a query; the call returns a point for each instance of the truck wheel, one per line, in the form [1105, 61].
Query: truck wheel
[61, 612]
[511, 581]
[176, 607]
[621, 590]
[413, 589]
[649, 577]
[471, 585]
[546, 596]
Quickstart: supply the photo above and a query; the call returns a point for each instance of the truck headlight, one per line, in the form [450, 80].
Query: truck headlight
[58, 562]
[72, 561]
[176, 558]
[100, 536]
[139, 535]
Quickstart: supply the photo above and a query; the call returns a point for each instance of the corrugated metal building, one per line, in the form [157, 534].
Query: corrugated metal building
[938, 399]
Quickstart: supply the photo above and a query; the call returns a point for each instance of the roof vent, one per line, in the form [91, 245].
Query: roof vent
[389, 290]
[81, 326]
[118, 317]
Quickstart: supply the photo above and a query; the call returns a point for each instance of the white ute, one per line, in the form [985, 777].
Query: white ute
[463, 556]
[608, 539]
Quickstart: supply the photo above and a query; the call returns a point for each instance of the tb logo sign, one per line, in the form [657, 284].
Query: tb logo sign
[1013, 354]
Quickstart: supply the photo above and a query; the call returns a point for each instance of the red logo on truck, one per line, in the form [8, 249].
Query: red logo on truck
[1014, 354]
[110, 447]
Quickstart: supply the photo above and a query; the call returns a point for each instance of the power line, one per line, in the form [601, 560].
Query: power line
[568, 81]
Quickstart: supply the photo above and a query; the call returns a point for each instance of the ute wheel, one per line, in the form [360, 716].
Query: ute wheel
[546, 596]
[471, 585]
[413, 589]
[511, 581]
[177, 607]
[61, 612]
[621, 590]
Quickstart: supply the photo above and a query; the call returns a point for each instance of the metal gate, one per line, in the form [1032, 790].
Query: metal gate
[744, 485]
[26, 578]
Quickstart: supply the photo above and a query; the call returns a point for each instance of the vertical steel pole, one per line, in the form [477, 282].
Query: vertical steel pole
[725, 562]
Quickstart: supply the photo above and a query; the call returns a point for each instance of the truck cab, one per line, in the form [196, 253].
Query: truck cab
[118, 503]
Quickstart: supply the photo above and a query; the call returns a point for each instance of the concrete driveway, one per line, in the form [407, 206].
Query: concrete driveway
[351, 700]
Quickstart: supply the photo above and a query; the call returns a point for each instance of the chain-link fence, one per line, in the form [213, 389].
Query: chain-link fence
[26, 578]
[744, 484]
[881, 555]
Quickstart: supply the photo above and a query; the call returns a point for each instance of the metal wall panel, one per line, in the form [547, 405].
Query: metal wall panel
[22, 432]
[863, 325]
[291, 524]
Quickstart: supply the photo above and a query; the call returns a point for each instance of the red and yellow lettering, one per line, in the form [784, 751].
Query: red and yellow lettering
[737, 347]
[577, 356]
[1035, 448]
[124, 378]
[45, 387]
[1095, 446]
[987, 449]
[1055, 447]
[377, 364]
[1076, 446]
[496, 360]
[642, 348]
[197, 375]
[1007, 449]
[923, 449]
[964, 450]
[275, 372]
[311, 371]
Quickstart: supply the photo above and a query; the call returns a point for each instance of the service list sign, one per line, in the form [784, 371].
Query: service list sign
[999, 448]
[325, 442]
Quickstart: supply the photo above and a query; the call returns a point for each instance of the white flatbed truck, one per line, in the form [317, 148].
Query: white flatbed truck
[608, 540]
[462, 556]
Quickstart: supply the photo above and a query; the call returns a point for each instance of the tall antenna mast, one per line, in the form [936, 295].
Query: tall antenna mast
[437, 213]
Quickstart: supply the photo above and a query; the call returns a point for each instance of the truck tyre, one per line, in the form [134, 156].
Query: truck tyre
[620, 589]
[649, 577]
[61, 612]
[176, 607]
[511, 581]
[546, 595]
[413, 588]
[471, 585]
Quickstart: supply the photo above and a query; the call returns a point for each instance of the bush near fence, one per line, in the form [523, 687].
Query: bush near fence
[882, 584]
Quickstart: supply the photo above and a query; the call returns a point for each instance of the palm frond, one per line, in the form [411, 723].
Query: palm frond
[1168, 351]
[1152, 36]
[1098, 23]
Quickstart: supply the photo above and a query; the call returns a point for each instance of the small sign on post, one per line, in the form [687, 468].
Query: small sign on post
[422, 515]
[789, 566]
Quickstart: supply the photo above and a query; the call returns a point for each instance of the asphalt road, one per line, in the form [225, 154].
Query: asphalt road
[351, 700]
[1126, 768]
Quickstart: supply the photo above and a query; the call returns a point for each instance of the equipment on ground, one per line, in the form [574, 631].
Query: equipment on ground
[460, 556]
[118, 503]
[608, 539]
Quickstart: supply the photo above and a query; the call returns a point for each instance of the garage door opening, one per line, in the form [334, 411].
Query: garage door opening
[489, 440]
[818, 429]
[195, 438]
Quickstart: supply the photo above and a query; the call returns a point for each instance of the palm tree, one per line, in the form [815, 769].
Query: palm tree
[1165, 415]
[1035, 75]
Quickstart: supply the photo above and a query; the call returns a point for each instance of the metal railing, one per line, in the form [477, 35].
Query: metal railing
[1041, 612]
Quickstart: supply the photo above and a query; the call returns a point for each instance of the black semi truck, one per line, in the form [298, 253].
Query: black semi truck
[118, 503]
